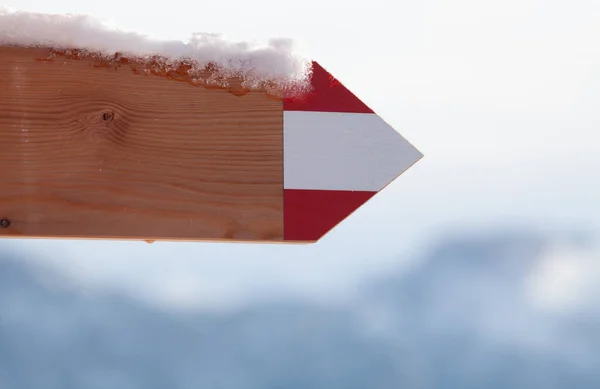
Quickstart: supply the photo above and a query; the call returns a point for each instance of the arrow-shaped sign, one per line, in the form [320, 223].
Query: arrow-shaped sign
[99, 151]
[337, 154]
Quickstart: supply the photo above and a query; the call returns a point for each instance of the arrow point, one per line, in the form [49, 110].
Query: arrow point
[337, 155]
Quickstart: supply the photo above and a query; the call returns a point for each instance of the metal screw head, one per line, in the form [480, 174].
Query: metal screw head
[4, 223]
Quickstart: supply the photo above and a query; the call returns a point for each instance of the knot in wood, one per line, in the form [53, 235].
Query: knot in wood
[108, 116]
[4, 223]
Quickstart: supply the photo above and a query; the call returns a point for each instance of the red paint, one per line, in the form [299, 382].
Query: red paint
[327, 95]
[310, 214]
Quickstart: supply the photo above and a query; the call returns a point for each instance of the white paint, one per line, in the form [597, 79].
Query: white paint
[343, 151]
[280, 60]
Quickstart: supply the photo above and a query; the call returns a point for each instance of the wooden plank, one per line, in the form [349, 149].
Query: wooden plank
[100, 151]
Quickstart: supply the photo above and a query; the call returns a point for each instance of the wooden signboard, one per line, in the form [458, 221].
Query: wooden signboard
[96, 150]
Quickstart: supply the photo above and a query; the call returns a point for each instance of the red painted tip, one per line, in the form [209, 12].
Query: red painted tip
[310, 214]
[327, 95]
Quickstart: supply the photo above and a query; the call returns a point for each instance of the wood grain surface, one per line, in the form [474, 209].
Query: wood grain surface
[106, 152]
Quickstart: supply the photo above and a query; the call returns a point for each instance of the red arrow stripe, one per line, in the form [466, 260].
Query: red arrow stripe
[327, 95]
[310, 214]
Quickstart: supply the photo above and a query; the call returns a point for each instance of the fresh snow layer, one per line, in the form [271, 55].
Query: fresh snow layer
[279, 61]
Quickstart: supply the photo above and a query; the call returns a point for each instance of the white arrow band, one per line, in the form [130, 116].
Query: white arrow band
[342, 151]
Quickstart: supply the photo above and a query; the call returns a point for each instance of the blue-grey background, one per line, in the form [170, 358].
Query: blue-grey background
[479, 267]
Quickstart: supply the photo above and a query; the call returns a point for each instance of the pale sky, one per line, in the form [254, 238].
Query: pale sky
[501, 97]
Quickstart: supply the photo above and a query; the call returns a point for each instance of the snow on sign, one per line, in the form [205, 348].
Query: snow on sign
[109, 134]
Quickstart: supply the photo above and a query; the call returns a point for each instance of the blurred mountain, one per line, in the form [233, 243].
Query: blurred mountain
[466, 316]
[468, 313]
